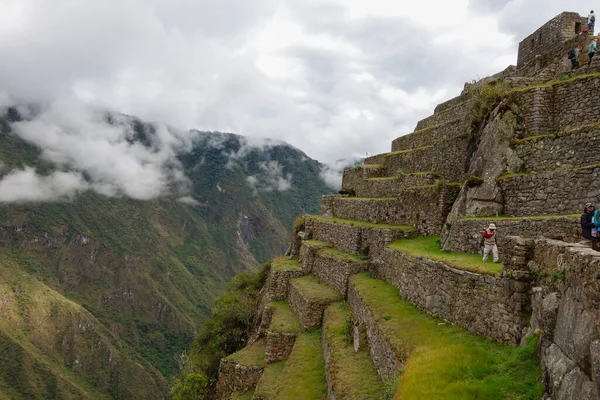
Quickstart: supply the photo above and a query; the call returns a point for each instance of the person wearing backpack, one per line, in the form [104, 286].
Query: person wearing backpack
[490, 243]
[588, 226]
[591, 21]
[573, 55]
[592, 50]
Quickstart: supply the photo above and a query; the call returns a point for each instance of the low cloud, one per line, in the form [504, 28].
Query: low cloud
[271, 177]
[111, 154]
[333, 173]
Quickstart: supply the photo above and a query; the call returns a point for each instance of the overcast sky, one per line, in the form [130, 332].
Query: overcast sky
[332, 77]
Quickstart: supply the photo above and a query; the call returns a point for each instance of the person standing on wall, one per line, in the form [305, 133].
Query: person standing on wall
[587, 225]
[591, 21]
[490, 243]
[592, 50]
[574, 57]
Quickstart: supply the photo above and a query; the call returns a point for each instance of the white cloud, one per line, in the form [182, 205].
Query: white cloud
[271, 177]
[333, 173]
[290, 70]
[25, 185]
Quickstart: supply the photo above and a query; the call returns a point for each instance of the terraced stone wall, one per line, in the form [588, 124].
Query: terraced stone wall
[335, 272]
[566, 308]
[447, 115]
[561, 106]
[546, 193]
[465, 235]
[564, 150]
[495, 307]
[383, 356]
[433, 134]
[279, 346]
[549, 36]
[234, 377]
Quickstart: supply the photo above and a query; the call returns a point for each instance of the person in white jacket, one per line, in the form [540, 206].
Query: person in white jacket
[490, 243]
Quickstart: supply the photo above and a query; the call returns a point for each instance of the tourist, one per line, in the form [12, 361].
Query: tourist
[490, 243]
[574, 57]
[591, 21]
[592, 50]
[588, 229]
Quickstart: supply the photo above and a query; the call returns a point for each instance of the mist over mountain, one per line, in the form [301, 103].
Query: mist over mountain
[116, 235]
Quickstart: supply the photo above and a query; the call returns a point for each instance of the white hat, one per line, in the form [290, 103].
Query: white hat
[492, 226]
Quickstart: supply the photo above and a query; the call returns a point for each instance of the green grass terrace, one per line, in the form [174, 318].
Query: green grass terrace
[429, 247]
[444, 361]
[351, 222]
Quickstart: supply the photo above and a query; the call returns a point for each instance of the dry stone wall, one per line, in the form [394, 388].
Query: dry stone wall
[558, 192]
[465, 235]
[335, 272]
[445, 116]
[495, 307]
[431, 135]
[278, 283]
[565, 150]
[279, 346]
[234, 377]
[309, 312]
[391, 187]
[446, 157]
[384, 358]
[566, 309]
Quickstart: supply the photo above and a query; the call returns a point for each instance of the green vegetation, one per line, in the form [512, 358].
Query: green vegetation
[454, 363]
[511, 175]
[352, 222]
[242, 396]
[561, 133]
[562, 81]
[429, 247]
[400, 174]
[396, 153]
[315, 290]
[284, 263]
[302, 376]
[484, 99]
[506, 218]
[353, 375]
[342, 255]
[473, 181]
[251, 355]
[317, 243]
[224, 333]
[284, 318]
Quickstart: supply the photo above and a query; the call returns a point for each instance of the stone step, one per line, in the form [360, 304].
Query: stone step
[349, 371]
[282, 270]
[356, 175]
[553, 192]
[334, 266]
[424, 208]
[302, 376]
[460, 110]
[352, 236]
[431, 135]
[399, 334]
[241, 371]
[282, 332]
[562, 150]
[389, 186]
[465, 234]
[308, 297]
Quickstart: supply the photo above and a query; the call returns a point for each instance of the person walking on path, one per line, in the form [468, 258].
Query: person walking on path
[591, 21]
[592, 50]
[587, 225]
[574, 57]
[490, 243]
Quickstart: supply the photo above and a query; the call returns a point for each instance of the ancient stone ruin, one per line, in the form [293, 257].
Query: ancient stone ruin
[519, 149]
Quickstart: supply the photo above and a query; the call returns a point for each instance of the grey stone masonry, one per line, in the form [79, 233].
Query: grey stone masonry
[366, 240]
[561, 106]
[279, 346]
[434, 133]
[234, 377]
[278, 281]
[551, 35]
[449, 114]
[384, 358]
[424, 208]
[446, 157]
[566, 308]
[335, 271]
[492, 306]
[308, 308]
[557, 192]
[565, 150]
[390, 187]
[465, 235]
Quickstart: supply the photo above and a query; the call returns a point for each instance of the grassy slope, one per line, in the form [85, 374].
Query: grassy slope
[353, 375]
[455, 363]
[429, 247]
[302, 376]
